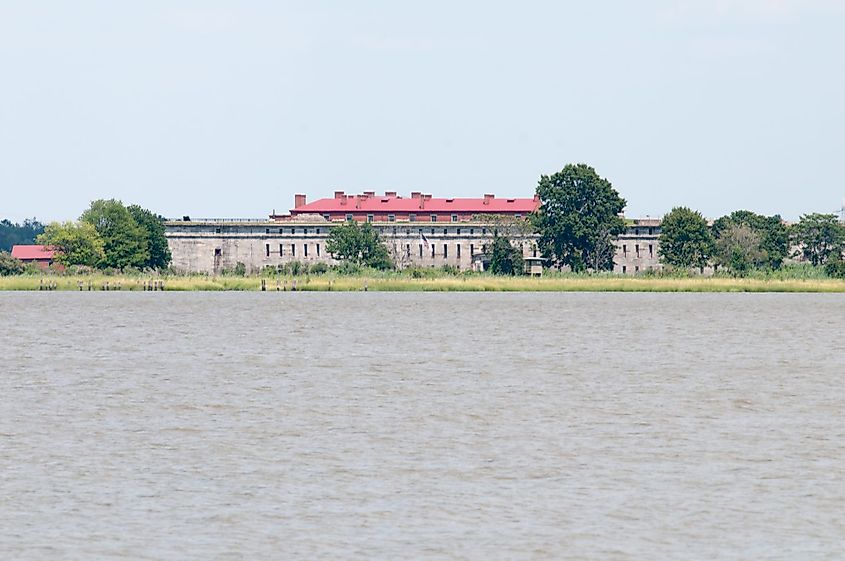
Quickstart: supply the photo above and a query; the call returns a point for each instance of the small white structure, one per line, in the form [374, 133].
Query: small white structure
[534, 266]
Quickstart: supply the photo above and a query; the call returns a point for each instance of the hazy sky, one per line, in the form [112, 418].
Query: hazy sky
[213, 108]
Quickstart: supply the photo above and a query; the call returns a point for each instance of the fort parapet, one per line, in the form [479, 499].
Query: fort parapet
[451, 232]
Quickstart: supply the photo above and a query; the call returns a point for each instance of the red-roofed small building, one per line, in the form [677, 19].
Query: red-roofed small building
[42, 255]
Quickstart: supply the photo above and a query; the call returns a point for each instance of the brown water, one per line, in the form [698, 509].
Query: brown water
[421, 426]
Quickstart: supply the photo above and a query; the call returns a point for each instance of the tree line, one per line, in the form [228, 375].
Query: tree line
[581, 214]
[744, 241]
[108, 235]
[12, 233]
[577, 223]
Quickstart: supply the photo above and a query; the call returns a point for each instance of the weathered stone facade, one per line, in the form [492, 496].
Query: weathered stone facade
[637, 248]
[210, 246]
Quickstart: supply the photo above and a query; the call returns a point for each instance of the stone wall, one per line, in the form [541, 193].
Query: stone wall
[637, 249]
[214, 245]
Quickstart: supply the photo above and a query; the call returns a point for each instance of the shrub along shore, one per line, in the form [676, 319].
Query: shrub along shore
[398, 282]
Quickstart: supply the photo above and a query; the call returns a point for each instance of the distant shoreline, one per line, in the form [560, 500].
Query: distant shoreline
[480, 283]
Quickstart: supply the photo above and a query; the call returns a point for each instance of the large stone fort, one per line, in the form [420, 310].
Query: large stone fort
[419, 230]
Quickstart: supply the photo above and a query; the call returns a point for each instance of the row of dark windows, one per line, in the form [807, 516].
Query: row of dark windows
[292, 250]
[407, 230]
[281, 230]
[432, 247]
[637, 250]
[433, 231]
[411, 217]
[293, 230]
[638, 231]
[395, 230]
[433, 250]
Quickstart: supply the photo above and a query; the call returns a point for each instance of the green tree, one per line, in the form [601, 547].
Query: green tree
[773, 233]
[153, 225]
[76, 244]
[360, 245]
[578, 218]
[739, 248]
[685, 239]
[820, 237]
[18, 234]
[835, 268]
[10, 265]
[124, 241]
[505, 259]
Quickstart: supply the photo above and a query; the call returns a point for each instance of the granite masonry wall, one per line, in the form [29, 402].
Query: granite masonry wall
[209, 246]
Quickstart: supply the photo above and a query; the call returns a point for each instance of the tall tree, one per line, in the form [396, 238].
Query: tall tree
[739, 248]
[76, 244]
[505, 259]
[153, 225]
[773, 233]
[361, 245]
[820, 237]
[124, 241]
[578, 218]
[685, 239]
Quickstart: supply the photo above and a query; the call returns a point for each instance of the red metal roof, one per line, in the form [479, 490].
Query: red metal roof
[394, 204]
[32, 252]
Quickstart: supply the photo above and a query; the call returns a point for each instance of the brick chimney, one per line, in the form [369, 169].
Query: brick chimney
[423, 199]
[390, 194]
[298, 200]
[369, 193]
[415, 194]
[339, 194]
[488, 197]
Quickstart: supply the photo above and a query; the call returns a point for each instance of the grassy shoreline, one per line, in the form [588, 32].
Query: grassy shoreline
[476, 283]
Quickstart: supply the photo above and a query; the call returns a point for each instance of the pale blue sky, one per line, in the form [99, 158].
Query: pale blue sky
[213, 108]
